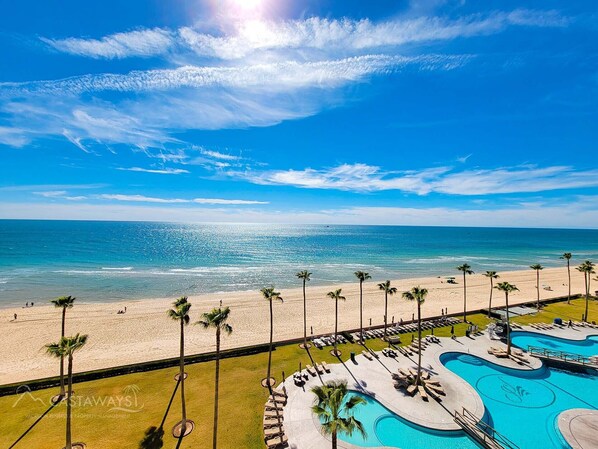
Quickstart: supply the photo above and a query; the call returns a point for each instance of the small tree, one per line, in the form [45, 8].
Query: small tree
[465, 269]
[507, 288]
[335, 412]
[180, 313]
[491, 275]
[537, 267]
[270, 295]
[362, 276]
[388, 290]
[336, 295]
[64, 302]
[418, 295]
[304, 276]
[567, 257]
[66, 347]
[216, 319]
[587, 268]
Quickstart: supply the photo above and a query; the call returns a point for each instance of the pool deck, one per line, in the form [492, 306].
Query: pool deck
[373, 377]
[579, 426]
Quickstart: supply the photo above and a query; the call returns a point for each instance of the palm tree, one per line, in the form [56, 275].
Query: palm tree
[567, 257]
[388, 290]
[491, 275]
[64, 302]
[587, 268]
[537, 267]
[66, 347]
[270, 295]
[466, 269]
[335, 413]
[362, 276]
[304, 275]
[180, 313]
[418, 295]
[336, 295]
[216, 319]
[507, 288]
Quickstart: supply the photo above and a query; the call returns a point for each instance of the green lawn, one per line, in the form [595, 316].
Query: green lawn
[241, 399]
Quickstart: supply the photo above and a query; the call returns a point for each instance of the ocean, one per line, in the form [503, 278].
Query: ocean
[106, 261]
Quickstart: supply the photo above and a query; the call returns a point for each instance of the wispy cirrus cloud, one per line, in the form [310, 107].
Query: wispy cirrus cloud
[148, 199]
[316, 34]
[159, 171]
[447, 180]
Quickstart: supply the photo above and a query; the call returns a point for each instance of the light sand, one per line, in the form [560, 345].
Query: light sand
[146, 333]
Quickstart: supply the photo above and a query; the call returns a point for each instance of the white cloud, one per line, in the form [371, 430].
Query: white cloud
[219, 155]
[145, 42]
[161, 171]
[316, 34]
[366, 178]
[147, 199]
[557, 216]
[51, 193]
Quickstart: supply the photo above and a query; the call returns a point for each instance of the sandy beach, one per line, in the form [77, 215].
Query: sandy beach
[146, 333]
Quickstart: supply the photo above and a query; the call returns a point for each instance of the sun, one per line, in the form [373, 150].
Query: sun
[248, 5]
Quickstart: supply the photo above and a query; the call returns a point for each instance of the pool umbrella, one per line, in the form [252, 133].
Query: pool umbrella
[452, 330]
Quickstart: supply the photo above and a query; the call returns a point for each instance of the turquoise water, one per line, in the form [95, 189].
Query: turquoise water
[116, 260]
[524, 405]
[587, 347]
[384, 428]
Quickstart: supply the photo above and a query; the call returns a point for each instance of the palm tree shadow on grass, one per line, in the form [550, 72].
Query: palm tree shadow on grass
[33, 425]
[154, 436]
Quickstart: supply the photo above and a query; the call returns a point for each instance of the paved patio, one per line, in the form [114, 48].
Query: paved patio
[373, 377]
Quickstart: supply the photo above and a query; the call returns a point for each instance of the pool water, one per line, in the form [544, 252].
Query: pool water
[384, 428]
[587, 347]
[524, 405]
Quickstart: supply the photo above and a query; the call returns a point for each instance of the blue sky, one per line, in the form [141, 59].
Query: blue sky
[429, 112]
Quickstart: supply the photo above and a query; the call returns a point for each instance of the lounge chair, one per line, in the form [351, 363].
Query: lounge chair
[310, 369]
[367, 355]
[437, 388]
[422, 392]
[271, 422]
[325, 366]
[272, 414]
[273, 406]
[432, 393]
[277, 441]
[411, 389]
[319, 369]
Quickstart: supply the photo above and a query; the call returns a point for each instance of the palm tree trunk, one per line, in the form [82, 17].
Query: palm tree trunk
[569, 284]
[182, 379]
[490, 301]
[62, 357]
[464, 298]
[304, 317]
[335, 324]
[385, 312]
[508, 325]
[68, 403]
[586, 278]
[538, 289]
[361, 310]
[270, 347]
[419, 344]
[334, 442]
[216, 383]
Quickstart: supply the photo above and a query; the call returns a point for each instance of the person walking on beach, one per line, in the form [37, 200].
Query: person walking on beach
[15, 317]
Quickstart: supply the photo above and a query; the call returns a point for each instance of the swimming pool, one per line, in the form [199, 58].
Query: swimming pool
[587, 347]
[384, 428]
[523, 405]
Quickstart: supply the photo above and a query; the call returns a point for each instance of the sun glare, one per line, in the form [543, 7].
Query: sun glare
[248, 5]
